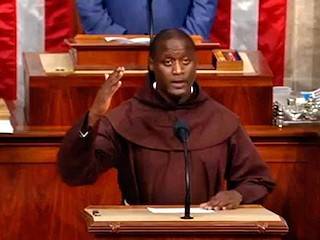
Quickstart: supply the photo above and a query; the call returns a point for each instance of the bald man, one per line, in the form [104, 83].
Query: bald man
[137, 138]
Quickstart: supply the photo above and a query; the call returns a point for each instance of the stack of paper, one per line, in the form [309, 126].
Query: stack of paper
[124, 40]
[5, 124]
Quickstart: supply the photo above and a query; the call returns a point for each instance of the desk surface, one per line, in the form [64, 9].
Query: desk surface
[137, 219]
[256, 132]
[34, 67]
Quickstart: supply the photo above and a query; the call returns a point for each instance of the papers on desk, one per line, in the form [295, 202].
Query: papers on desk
[178, 210]
[138, 40]
[5, 126]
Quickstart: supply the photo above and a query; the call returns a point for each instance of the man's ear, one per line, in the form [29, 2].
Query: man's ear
[151, 66]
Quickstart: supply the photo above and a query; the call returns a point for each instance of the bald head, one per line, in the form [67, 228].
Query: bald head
[172, 64]
[165, 35]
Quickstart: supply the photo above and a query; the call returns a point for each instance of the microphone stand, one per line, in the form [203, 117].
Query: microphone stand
[182, 133]
[187, 170]
[151, 26]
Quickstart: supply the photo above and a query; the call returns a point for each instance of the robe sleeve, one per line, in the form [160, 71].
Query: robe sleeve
[200, 17]
[82, 159]
[248, 174]
[96, 19]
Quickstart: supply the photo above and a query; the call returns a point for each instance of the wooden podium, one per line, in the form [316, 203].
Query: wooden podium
[93, 52]
[28, 161]
[61, 98]
[138, 222]
[61, 87]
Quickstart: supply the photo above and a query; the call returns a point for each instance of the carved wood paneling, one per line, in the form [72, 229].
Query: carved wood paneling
[35, 202]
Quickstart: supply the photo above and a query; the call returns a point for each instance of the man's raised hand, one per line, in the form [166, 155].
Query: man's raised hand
[104, 95]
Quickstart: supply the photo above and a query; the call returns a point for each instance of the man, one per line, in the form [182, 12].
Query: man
[132, 16]
[138, 139]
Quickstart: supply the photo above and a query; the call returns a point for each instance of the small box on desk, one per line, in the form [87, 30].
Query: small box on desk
[226, 60]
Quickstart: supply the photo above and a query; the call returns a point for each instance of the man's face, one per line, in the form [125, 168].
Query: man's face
[174, 66]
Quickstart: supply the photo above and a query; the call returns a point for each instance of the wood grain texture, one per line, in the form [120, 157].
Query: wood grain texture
[247, 220]
[35, 202]
[62, 99]
[187, 237]
[94, 52]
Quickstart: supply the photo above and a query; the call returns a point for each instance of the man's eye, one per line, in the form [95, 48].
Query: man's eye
[167, 62]
[186, 61]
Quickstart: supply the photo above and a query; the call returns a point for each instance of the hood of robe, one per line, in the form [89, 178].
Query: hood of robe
[148, 120]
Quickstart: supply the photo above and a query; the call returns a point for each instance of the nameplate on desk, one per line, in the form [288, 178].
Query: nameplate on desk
[56, 63]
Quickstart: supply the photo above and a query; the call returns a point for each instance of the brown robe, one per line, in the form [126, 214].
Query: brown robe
[138, 139]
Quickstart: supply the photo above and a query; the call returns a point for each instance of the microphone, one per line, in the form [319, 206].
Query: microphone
[182, 132]
[151, 25]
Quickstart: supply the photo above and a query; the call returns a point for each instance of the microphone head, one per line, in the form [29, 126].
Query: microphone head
[181, 130]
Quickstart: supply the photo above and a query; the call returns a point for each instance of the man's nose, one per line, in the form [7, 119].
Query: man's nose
[177, 68]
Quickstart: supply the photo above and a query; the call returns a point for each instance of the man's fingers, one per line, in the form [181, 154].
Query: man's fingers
[111, 82]
[205, 206]
[115, 88]
[228, 206]
[115, 76]
[104, 95]
[216, 206]
[223, 200]
[214, 202]
[224, 206]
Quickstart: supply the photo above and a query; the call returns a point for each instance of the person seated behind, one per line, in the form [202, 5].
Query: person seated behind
[137, 138]
[132, 17]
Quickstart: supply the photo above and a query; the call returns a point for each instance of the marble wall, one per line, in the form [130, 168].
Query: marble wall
[303, 45]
